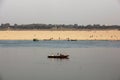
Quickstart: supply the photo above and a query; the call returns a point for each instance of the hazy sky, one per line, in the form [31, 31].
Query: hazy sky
[60, 11]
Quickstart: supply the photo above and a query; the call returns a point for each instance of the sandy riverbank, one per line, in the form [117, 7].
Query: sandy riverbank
[61, 35]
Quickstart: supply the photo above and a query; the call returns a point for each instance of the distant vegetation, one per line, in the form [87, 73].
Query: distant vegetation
[7, 26]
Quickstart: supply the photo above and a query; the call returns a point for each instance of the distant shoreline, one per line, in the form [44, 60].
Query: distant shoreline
[59, 29]
[71, 35]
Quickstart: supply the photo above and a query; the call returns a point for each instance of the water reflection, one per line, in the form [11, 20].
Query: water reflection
[1, 78]
[31, 63]
[53, 59]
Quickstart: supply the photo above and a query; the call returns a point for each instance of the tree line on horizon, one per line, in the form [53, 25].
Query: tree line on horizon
[7, 26]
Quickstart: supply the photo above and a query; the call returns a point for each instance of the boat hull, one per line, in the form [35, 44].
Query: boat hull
[60, 57]
[35, 40]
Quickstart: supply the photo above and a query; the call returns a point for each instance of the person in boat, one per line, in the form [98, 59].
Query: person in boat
[61, 54]
[58, 54]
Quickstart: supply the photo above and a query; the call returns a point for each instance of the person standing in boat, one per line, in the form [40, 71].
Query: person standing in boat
[58, 54]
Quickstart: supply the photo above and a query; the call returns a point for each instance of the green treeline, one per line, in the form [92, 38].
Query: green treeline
[57, 27]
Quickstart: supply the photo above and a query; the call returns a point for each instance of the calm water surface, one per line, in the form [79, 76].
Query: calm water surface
[89, 60]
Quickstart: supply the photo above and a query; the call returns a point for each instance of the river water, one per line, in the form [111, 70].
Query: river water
[88, 60]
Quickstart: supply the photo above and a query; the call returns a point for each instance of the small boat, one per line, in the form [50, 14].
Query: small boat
[61, 56]
[35, 39]
[72, 40]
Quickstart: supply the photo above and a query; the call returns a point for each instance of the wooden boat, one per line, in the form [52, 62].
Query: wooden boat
[72, 40]
[61, 56]
[35, 40]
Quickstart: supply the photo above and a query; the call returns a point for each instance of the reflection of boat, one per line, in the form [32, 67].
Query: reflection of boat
[60, 56]
[35, 39]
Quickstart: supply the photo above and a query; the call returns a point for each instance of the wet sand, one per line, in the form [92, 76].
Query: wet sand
[61, 35]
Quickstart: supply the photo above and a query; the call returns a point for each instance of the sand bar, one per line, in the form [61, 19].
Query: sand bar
[61, 35]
